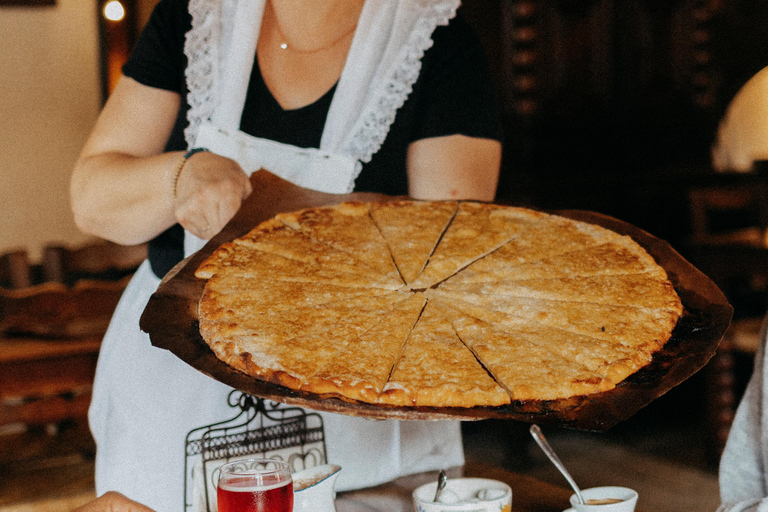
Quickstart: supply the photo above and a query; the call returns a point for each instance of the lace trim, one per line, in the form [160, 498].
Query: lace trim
[378, 115]
[203, 41]
[201, 47]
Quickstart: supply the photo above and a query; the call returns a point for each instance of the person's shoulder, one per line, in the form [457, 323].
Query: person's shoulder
[457, 38]
[458, 31]
[173, 12]
[173, 5]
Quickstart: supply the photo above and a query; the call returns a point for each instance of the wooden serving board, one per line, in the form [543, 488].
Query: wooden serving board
[171, 319]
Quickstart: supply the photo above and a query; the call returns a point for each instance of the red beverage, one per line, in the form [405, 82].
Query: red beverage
[261, 490]
[246, 498]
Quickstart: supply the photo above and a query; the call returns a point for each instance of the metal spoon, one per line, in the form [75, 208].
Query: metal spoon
[442, 478]
[542, 442]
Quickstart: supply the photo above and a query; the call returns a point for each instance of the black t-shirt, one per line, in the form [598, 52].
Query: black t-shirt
[453, 95]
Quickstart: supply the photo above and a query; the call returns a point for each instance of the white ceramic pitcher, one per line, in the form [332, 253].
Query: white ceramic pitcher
[313, 489]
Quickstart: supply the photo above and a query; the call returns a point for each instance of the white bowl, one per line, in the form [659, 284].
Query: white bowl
[627, 495]
[497, 496]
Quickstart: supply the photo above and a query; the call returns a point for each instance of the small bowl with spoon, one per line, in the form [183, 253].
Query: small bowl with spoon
[595, 499]
[463, 495]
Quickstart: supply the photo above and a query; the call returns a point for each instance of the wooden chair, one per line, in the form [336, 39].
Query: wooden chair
[729, 243]
[53, 316]
[734, 213]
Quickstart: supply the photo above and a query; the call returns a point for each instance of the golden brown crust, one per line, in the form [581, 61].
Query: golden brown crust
[476, 230]
[437, 369]
[412, 230]
[361, 367]
[347, 227]
[518, 304]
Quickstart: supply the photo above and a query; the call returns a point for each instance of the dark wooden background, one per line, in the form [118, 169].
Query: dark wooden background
[612, 105]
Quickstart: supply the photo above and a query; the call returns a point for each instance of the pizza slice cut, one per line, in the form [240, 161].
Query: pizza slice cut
[619, 256]
[274, 251]
[287, 347]
[258, 294]
[476, 230]
[412, 230]
[641, 329]
[437, 369]
[620, 290]
[554, 236]
[361, 365]
[347, 227]
[526, 370]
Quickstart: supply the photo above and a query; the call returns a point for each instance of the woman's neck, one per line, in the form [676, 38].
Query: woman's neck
[303, 45]
[309, 25]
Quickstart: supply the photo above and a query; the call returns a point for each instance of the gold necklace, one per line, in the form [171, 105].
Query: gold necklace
[285, 46]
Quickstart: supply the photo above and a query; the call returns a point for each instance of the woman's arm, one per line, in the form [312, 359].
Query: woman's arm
[113, 502]
[453, 167]
[122, 184]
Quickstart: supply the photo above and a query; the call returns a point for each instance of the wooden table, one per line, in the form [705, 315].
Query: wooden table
[528, 494]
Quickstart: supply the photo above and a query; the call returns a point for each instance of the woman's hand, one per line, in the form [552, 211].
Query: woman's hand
[208, 193]
[121, 186]
[113, 502]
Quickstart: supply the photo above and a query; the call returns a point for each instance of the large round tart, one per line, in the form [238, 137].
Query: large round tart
[438, 304]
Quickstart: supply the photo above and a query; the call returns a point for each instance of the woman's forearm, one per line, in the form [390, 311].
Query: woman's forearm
[123, 198]
[117, 189]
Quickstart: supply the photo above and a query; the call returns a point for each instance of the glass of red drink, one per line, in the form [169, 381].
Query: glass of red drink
[255, 485]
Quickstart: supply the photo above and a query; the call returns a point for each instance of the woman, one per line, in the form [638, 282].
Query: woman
[390, 96]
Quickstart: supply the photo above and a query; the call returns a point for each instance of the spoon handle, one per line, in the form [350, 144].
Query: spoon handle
[441, 480]
[538, 436]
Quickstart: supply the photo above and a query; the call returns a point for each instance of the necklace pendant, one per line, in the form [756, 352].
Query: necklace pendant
[284, 46]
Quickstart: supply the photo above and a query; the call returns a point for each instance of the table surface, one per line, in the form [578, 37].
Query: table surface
[528, 494]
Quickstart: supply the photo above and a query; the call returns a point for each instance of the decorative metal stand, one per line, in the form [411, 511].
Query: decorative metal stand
[259, 430]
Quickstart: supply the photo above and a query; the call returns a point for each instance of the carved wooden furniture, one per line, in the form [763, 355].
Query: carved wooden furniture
[612, 105]
[52, 318]
[729, 243]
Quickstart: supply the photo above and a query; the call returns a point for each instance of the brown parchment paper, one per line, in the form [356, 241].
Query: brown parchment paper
[171, 320]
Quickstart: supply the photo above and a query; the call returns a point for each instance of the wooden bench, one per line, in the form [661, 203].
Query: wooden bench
[53, 316]
[729, 243]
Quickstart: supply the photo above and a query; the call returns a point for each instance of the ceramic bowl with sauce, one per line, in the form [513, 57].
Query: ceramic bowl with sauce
[606, 499]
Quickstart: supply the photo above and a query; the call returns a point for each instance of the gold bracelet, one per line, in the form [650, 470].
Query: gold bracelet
[174, 181]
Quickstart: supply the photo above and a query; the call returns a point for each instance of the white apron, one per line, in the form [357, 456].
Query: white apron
[146, 400]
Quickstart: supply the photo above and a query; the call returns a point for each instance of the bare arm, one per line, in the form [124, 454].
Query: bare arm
[454, 167]
[113, 502]
[121, 184]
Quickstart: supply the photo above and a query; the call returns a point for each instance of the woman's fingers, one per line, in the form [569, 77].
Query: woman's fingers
[209, 191]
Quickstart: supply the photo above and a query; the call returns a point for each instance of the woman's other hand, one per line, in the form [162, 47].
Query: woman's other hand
[113, 502]
[208, 193]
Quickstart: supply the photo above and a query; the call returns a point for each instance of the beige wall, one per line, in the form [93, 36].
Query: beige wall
[49, 100]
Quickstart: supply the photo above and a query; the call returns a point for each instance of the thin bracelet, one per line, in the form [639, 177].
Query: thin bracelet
[177, 170]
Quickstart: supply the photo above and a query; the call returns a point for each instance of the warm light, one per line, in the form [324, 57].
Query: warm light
[114, 11]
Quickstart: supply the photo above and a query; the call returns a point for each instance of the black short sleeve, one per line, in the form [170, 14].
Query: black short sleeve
[158, 58]
[454, 95]
[455, 91]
